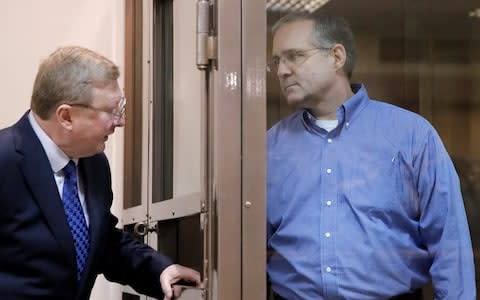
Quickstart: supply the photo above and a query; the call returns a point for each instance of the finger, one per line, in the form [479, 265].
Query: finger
[167, 288]
[190, 275]
[177, 291]
[186, 274]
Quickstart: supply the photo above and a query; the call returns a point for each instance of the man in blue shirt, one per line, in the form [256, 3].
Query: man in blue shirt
[363, 199]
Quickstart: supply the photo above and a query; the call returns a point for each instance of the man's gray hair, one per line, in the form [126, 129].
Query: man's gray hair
[328, 30]
[68, 76]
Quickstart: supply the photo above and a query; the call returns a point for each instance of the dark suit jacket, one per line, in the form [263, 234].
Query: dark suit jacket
[37, 256]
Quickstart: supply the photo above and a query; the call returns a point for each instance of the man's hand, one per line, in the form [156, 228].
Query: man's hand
[176, 273]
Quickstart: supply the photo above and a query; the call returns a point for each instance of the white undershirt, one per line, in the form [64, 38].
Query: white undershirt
[328, 125]
[58, 160]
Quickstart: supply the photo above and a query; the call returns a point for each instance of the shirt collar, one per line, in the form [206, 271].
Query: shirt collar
[346, 112]
[57, 158]
[355, 104]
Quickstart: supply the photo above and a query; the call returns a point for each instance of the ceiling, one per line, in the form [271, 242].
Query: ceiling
[401, 17]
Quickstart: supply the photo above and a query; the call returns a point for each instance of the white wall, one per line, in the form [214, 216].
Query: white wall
[32, 29]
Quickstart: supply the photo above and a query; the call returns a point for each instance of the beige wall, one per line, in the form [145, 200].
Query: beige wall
[29, 31]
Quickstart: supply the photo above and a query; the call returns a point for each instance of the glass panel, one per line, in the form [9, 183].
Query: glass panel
[452, 87]
[177, 102]
[163, 115]
[423, 56]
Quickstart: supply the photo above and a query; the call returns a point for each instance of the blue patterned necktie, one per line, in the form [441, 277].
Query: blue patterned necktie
[75, 217]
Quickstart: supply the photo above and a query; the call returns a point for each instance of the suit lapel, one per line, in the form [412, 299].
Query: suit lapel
[92, 194]
[40, 179]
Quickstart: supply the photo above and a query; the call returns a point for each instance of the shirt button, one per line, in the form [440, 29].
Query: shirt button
[327, 234]
[329, 170]
[329, 141]
[329, 203]
[328, 269]
[347, 124]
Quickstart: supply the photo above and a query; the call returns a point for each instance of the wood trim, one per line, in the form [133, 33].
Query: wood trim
[133, 92]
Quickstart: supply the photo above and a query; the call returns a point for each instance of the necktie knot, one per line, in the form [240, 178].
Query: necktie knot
[70, 170]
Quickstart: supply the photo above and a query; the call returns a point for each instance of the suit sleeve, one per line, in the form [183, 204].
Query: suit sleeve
[127, 260]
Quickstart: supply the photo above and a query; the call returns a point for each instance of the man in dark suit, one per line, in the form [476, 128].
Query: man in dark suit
[56, 230]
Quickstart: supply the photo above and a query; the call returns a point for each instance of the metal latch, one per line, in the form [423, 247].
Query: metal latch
[141, 229]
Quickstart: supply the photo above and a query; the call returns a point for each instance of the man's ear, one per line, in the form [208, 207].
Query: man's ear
[63, 114]
[339, 55]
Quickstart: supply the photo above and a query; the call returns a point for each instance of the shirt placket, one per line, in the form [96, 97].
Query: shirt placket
[329, 190]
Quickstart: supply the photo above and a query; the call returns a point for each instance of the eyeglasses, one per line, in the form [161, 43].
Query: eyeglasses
[292, 57]
[118, 113]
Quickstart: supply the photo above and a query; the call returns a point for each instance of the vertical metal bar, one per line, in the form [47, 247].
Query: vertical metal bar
[226, 96]
[253, 149]
[202, 33]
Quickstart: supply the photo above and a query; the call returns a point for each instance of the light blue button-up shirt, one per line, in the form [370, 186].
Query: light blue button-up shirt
[369, 210]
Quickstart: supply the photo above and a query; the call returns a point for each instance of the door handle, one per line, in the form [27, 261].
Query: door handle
[141, 229]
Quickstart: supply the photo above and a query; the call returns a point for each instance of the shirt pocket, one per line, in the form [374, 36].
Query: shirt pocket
[384, 184]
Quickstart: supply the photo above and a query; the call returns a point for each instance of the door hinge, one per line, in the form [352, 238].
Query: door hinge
[206, 34]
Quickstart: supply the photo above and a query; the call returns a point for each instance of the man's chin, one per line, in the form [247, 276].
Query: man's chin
[99, 149]
[295, 101]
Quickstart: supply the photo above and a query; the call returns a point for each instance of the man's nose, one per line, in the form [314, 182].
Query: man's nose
[283, 68]
[119, 122]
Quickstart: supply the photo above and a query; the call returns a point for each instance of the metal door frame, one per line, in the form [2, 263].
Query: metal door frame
[237, 162]
[240, 150]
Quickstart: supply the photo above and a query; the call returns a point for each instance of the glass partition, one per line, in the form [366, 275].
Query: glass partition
[423, 56]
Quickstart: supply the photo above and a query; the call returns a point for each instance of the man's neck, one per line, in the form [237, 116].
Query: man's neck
[51, 129]
[326, 108]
